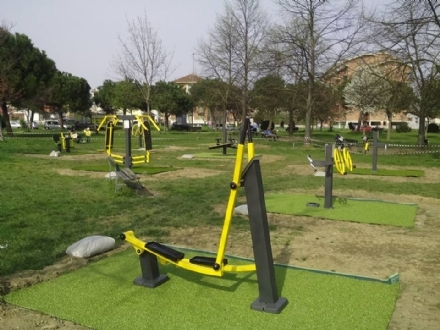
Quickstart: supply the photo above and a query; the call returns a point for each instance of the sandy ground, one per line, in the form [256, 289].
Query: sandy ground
[377, 251]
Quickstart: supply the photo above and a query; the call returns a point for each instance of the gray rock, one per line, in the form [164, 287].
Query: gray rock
[241, 210]
[111, 175]
[55, 154]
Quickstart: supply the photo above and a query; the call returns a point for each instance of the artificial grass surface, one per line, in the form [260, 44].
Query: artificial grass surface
[368, 211]
[102, 296]
[384, 172]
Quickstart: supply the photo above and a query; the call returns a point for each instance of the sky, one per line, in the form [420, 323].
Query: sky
[81, 36]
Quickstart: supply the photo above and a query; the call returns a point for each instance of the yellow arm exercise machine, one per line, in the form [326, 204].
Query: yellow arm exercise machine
[342, 158]
[144, 124]
[250, 178]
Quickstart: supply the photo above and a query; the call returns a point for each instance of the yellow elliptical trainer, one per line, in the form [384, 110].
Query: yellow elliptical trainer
[216, 266]
[249, 178]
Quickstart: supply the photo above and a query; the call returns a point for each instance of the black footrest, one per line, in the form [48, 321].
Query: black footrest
[206, 261]
[165, 251]
[226, 145]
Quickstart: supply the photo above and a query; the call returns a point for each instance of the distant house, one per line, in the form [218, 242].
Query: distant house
[187, 81]
[387, 64]
[199, 115]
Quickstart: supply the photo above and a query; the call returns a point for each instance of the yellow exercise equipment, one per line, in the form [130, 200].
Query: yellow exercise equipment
[339, 161]
[347, 159]
[216, 265]
[250, 178]
[143, 127]
[342, 159]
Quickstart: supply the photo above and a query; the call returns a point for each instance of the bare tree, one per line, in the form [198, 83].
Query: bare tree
[217, 57]
[233, 48]
[408, 31]
[434, 6]
[251, 25]
[314, 37]
[142, 58]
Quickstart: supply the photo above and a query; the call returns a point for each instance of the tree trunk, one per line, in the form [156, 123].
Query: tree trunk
[361, 115]
[421, 136]
[390, 125]
[5, 117]
[224, 124]
[60, 118]
[244, 105]
[166, 117]
[311, 74]
[291, 123]
[308, 134]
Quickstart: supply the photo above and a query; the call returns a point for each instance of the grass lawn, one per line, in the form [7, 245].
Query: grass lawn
[45, 207]
[386, 172]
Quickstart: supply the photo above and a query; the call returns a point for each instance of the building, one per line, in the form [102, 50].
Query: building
[200, 115]
[387, 64]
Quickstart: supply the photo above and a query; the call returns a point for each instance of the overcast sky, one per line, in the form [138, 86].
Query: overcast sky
[81, 36]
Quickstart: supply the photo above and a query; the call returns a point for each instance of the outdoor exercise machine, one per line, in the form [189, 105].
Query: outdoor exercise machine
[144, 123]
[251, 179]
[63, 141]
[342, 157]
[376, 145]
[232, 144]
[328, 170]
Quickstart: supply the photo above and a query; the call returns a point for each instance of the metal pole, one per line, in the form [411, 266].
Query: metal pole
[268, 301]
[127, 160]
[375, 147]
[328, 176]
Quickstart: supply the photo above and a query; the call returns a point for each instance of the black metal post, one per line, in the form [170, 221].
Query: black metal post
[328, 177]
[127, 159]
[150, 277]
[268, 300]
[376, 145]
[374, 168]
[67, 137]
[328, 168]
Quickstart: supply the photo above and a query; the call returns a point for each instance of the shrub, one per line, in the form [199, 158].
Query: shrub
[402, 127]
[23, 124]
[433, 128]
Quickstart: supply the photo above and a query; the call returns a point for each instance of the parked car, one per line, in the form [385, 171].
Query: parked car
[68, 124]
[80, 126]
[180, 127]
[52, 124]
[15, 124]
